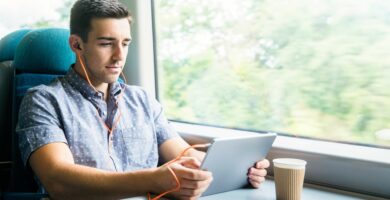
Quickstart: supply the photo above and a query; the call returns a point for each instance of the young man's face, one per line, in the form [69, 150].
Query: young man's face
[105, 51]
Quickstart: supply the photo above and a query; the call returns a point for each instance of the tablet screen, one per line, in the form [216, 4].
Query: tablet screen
[229, 159]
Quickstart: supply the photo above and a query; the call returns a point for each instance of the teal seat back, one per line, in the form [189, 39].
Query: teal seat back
[8, 45]
[7, 52]
[40, 57]
[9, 42]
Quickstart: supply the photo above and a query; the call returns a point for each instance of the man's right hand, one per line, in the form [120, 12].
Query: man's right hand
[193, 181]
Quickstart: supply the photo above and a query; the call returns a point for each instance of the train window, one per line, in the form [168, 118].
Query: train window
[317, 69]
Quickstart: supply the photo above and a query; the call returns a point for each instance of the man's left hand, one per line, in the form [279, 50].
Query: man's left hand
[257, 173]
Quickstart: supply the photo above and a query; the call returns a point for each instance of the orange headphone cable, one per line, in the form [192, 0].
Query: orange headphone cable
[116, 103]
[178, 185]
[85, 71]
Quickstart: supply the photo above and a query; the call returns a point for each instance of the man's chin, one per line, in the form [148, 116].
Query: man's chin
[112, 80]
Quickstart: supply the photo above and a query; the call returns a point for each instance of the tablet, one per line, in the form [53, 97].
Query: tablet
[229, 160]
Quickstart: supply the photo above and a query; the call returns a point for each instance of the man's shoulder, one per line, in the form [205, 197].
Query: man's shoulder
[42, 96]
[52, 89]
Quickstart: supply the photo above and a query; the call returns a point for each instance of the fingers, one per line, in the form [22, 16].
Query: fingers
[193, 182]
[193, 188]
[190, 162]
[256, 181]
[256, 176]
[190, 193]
[190, 174]
[262, 164]
[257, 172]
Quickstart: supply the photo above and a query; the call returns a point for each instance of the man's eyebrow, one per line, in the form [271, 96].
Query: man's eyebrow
[106, 38]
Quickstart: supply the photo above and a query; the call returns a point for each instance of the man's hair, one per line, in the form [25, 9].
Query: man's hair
[83, 11]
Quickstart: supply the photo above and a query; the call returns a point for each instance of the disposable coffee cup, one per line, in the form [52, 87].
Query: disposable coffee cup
[289, 175]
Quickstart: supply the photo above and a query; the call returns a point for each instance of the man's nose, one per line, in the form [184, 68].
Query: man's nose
[119, 52]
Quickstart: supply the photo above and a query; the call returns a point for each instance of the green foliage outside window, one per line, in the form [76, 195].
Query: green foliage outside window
[310, 68]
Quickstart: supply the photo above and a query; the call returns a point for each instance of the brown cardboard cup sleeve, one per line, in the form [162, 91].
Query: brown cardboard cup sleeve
[289, 176]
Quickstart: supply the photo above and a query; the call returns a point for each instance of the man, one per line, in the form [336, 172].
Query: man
[87, 136]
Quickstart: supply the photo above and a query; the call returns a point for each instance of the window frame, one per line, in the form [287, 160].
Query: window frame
[349, 167]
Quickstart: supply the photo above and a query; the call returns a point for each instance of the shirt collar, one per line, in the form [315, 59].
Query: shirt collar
[115, 89]
[80, 84]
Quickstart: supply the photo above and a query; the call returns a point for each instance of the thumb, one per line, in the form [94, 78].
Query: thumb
[190, 162]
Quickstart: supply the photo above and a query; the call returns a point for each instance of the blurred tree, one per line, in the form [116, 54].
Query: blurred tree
[314, 68]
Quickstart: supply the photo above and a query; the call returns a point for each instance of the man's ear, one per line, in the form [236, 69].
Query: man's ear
[75, 43]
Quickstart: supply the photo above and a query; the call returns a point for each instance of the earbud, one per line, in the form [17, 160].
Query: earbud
[77, 46]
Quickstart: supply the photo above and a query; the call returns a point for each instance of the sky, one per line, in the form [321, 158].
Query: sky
[16, 13]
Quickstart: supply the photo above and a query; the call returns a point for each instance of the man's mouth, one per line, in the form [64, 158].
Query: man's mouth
[114, 68]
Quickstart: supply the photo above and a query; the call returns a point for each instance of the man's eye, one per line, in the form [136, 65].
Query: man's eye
[125, 44]
[105, 44]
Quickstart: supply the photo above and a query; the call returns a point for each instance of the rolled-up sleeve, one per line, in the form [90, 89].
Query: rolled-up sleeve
[38, 122]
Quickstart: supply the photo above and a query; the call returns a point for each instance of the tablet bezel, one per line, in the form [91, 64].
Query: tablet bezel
[229, 159]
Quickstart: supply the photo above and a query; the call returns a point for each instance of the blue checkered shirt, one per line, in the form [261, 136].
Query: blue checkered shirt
[67, 111]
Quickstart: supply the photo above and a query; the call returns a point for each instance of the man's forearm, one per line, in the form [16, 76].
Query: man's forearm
[81, 182]
[63, 179]
[171, 148]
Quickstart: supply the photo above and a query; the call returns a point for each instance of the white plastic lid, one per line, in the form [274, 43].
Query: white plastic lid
[289, 163]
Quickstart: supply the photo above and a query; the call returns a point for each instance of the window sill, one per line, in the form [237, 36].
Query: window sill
[347, 167]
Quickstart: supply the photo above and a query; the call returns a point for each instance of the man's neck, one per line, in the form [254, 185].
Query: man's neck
[99, 86]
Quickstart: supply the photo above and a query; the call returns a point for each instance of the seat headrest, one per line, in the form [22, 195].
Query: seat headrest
[9, 42]
[44, 51]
